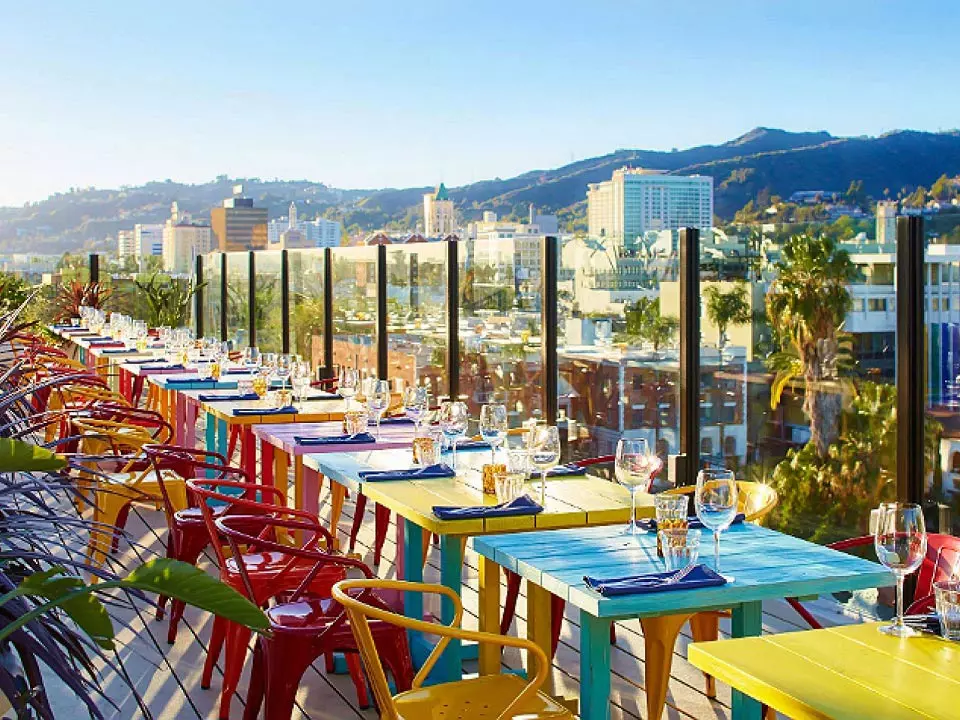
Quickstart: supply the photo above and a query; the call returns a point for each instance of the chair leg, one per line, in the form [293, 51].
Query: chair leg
[359, 509]
[510, 601]
[381, 525]
[394, 651]
[703, 628]
[217, 636]
[659, 637]
[188, 551]
[238, 637]
[234, 437]
[557, 606]
[359, 681]
[284, 665]
[256, 688]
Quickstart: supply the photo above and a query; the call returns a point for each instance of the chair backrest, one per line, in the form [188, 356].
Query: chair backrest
[150, 420]
[188, 463]
[940, 563]
[755, 500]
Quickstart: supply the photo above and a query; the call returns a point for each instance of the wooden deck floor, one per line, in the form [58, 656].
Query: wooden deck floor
[168, 677]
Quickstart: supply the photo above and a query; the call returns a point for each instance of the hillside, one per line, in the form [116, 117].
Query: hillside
[776, 160]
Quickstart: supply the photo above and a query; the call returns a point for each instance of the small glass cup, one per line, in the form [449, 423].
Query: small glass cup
[282, 398]
[421, 443]
[681, 547]
[510, 486]
[428, 453]
[671, 511]
[244, 385]
[74, 322]
[215, 370]
[355, 421]
[260, 385]
[948, 608]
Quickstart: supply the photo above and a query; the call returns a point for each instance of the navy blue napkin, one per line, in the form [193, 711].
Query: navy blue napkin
[523, 505]
[927, 623]
[177, 366]
[470, 445]
[699, 577]
[141, 361]
[321, 395]
[104, 342]
[119, 351]
[693, 522]
[358, 439]
[392, 420]
[430, 472]
[289, 410]
[237, 371]
[190, 381]
[206, 397]
[568, 470]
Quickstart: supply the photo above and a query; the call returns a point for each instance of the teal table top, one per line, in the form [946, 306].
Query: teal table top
[765, 565]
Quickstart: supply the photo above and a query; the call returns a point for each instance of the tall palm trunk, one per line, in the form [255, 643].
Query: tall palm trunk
[823, 400]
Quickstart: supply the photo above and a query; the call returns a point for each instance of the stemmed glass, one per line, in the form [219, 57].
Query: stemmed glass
[716, 502]
[300, 379]
[454, 417]
[284, 368]
[348, 383]
[634, 467]
[900, 540]
[493, 427]
[378, 399]
[251, 357]
[544, 452]
[415, 405]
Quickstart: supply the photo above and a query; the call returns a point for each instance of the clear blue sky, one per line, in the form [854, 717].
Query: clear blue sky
[393, 93]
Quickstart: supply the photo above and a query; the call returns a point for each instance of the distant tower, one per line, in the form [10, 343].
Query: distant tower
[439, 217]
[293, 216]
[886, 222]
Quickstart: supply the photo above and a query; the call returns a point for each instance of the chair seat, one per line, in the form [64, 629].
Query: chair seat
[482, 698]
[264, 568]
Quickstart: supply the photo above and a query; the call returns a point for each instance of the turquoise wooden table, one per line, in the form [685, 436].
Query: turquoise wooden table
[765, 565]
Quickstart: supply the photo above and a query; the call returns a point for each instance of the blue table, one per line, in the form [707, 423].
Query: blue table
[765, 565]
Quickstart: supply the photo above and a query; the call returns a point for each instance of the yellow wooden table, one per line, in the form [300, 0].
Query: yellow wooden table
[569, 502]
[845, 673]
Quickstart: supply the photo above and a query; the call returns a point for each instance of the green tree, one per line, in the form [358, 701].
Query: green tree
[806, 306]
[856, 195]
[918, 198]
[943, 189]
[645, 323]
[727, 308]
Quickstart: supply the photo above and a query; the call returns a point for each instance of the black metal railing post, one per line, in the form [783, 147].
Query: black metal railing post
[453, 319]
[223, 297]
[549, 260]
[94, 261]
[252, 298]
[382, 337]
[284, 302]
[910, 359]
[689, 356]
[198, 295]
[328, 311]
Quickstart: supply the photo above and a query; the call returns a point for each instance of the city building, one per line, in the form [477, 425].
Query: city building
[439, 216]
[317, 233]
[886, 222]
[148, 240]
[635, 201]
[126, 244]
[238, 225]
[183, 240]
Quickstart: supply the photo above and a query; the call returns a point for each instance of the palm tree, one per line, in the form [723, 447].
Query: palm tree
[727, 308]
[806, 305]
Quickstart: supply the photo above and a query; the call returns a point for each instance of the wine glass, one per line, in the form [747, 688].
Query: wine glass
[348, 383]
[454, 417]
[300, 378]
[634, 467]
[378, 399]
[716, 502]
[900, 540]
[251, 357]
[284, 368]
[415, 404]
[544, 452]
[493, 427]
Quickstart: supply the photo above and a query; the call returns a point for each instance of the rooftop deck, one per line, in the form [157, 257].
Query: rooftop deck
[168, 677]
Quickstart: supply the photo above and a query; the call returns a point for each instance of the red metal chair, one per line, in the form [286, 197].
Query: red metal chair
[305, 626]
[943, 556]
[265, 575]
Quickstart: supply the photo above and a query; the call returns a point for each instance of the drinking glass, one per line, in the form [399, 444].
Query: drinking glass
[284, 368]
[204, 370]
[356, 421]
[348, 383]
[268, 365]
[635, 465]
[378, 399]
[900, 540]
[948, 608]
[716, 502]
[251, 357]
[681, 547]
[454, 417]
[493, 427]
[415, 404]
[544, 452]
[300, 379]
[518, 464]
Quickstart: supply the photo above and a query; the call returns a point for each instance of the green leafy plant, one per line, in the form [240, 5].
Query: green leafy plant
[71, 296]
[167, 300]
[727, 308]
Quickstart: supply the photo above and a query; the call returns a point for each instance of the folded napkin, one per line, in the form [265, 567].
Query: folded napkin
[76, 331]
[568, 470]
[470, 445]
[400, 420]
[141, 361]
[523, 505]
[289, 410]
[237, 371]
[119, 351]
[177, 366]
[321, 395]
[227, 398]
[358, 439]
[189, 381]
[926, 623]
[106, 343]
[67, 327]
[699, 577]
[430, 472]
[693, 522]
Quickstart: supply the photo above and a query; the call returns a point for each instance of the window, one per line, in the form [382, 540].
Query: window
[729, 446]
[706, 446]
[876, 304]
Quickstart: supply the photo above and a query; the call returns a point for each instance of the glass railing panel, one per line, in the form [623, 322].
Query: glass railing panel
[306, 304]
[238, 298]
[355, 308]
[417, 317]
[618, 345]
[500, 326]
[267, 302]
[212, 301]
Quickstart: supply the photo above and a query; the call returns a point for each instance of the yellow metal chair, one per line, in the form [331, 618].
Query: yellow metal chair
[488, 697]
[131, 480]
[755, 500]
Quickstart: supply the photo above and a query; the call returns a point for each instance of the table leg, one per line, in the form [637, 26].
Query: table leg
[747, 622]
[267, 466]
[538, 628]
[180, 421]
[489, 614]
[210, 438]
[337, 495]
[309, 500]
[450, 667]
[164, 403]
[190, 433]
[659, 637]
[412, 602]
[281, 469]
[248, 452]
[223, 435]
[594, 667]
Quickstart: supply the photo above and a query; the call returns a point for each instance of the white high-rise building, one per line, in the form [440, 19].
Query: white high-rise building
[290, 231]
[148, 240]
[183, 240]
[886, 222]
[126, 244]
[439, 216]
[635, 201]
